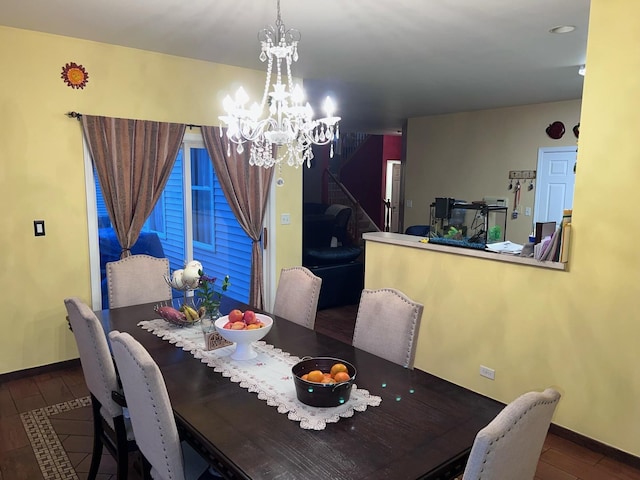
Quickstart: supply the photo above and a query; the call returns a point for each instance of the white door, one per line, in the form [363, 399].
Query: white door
[395, 195]
[394, 170]
[554, 183]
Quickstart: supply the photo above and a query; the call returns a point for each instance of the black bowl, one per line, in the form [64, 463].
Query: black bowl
[322, 394]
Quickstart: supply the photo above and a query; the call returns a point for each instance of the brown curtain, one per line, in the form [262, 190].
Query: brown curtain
[133, 159]
[246, 189]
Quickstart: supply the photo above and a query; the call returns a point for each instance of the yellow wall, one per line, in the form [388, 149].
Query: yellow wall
[469, 155]
[289, 198]
[42, 173]
[577, 330]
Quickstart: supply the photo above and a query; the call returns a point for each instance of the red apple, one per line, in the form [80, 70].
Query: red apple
[238, 325]
[235, 316]
[228, 325]
[249, 317]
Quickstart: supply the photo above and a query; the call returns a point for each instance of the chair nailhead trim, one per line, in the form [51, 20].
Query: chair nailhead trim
[495, 440]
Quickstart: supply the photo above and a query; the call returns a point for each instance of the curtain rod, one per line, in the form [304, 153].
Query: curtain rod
[78, 116]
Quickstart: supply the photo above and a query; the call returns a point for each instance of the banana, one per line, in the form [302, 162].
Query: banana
[191, 313]
[183, 309]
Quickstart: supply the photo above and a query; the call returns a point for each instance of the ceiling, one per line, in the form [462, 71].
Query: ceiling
[382, 61]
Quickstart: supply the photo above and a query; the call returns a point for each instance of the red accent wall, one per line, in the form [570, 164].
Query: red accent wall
[392, 147]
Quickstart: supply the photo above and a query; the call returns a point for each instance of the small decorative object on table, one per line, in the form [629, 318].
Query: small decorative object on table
[210, 302]
[204, 307]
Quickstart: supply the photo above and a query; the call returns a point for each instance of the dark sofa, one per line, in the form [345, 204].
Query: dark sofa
[328, 253]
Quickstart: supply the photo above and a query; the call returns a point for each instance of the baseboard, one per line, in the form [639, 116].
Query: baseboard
[594, 445]
[29, 372]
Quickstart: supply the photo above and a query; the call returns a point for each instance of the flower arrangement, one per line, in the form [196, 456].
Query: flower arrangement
[210, 297]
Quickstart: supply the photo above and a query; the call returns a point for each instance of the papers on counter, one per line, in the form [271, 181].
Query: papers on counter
[505, 247]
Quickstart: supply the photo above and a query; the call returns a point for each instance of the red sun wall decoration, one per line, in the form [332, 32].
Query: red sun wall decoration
[74, 75]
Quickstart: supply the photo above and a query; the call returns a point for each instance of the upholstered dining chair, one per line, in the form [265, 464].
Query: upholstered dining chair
[387, 325]
[152, 415]
[137, 279]
[110, 427]
[510, 445]
[297, 296]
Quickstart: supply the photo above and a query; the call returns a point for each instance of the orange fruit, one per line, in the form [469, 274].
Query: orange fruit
[341, 377]
[338, 367]
[305, 376]
[327, 379]
[315, 376]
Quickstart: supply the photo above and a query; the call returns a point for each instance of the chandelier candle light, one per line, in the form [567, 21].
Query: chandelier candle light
[290, 123]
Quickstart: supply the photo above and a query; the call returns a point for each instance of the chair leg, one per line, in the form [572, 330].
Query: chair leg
[146, 468]
[122, 448]
[96, 455]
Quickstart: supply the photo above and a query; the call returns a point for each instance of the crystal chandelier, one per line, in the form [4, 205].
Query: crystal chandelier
[289, 124]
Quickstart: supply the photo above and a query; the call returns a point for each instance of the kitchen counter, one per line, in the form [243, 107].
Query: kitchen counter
[413, 241]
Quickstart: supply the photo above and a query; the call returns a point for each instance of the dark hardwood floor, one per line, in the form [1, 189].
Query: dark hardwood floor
[561, 459]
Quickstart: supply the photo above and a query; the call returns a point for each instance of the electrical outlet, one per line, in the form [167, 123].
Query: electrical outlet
[527, 211]
[285, 219]
[487, 372]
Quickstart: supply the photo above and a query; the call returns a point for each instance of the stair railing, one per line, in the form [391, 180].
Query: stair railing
[359, 222]
[346, 147]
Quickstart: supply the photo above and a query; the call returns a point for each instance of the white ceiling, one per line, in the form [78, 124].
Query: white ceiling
[381, 60]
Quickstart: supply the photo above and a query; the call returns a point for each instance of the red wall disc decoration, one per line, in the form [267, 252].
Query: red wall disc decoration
[74, 75]
[555, 130]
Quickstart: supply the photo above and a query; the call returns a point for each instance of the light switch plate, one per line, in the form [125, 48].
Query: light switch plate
[38, 228]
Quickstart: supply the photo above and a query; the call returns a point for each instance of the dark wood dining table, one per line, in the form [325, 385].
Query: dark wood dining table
[423, 429]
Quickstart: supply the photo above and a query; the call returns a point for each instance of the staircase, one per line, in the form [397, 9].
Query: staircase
[359, 222]
[336, 192]
[346, 147]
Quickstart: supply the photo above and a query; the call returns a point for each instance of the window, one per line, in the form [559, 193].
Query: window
[202, 201]
[192, 220]
[155, 222]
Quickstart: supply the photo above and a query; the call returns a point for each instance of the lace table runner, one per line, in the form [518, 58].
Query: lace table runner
[269, 375]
